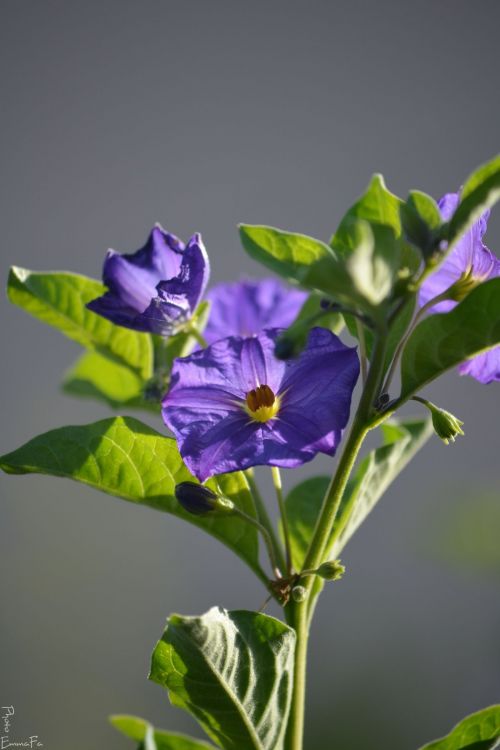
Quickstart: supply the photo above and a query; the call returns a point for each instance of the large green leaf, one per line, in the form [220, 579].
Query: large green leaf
[95, 376]
[123, 457]
[421, 220]
[479, 731]
[59, 300]
[155, 739]
[444, 340]
[480, 192]
[233, 672]
[377, 470]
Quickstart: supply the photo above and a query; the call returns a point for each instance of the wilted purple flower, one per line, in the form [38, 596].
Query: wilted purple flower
[234, 405]
[468, 264]
[158, 287]
[244, 308]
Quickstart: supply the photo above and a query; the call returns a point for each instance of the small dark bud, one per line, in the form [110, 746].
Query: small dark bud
[198, 500]
[333, 570]
[287, 346]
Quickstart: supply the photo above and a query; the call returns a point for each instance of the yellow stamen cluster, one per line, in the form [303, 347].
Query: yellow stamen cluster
[261, 404]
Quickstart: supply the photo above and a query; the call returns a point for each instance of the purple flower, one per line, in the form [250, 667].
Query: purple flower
[158, 287]
[234, 405]
[468, 264]
[244, 308]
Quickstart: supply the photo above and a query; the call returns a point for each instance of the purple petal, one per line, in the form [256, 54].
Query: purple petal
[484, 367]
[192, 278]
[468, 255]
[205, 404]
[244, 308]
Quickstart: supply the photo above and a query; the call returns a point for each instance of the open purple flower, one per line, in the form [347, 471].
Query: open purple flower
[157, 288]
[234, 405]
[244, 308]
[468, 264]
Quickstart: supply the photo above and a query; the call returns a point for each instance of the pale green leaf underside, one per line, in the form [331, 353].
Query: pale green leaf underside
[233, 672]
[123, 457]
[59, 300]
[479, 731]
[377, 470]
[95, 376]
[140, 730]
[444, 340]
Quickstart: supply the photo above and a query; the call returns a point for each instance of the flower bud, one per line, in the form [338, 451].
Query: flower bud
[299, 594]
[333, 570]
[446, 425]
[198, 500]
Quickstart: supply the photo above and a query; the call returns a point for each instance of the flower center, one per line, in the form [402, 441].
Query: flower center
[261, 404]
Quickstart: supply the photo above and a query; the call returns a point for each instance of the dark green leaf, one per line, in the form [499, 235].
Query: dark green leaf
[233, 672]
[479, 731]
[442, 341]
[59, 300]
[480, 192]
[140, 730]
[401, 441]
[421, 221]
[123, 457]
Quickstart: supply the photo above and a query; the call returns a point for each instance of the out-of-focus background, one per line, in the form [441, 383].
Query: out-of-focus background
[199, 115]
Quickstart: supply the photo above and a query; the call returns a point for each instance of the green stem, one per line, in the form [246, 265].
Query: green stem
[264, 519]
[297, 616]
[286, 533]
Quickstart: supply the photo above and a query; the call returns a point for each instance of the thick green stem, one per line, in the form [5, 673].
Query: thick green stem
[297, 616]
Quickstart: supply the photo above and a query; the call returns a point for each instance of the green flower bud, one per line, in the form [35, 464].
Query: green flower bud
[333, 570]
[198, 500]
[446, 425]
[299, 594]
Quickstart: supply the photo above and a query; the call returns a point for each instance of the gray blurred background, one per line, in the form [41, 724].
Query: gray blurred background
[200, 115]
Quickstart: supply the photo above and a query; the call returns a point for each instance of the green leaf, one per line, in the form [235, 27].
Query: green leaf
[233, 672]
[444, 340]
[376, 471]
[479, 731]
[401, 442]
[370, 272]
[140, 730]
[379, 207]
[303, 504]
[123, 457]
[59, 300]
[480, 192]
[95, 376]
[286, 253]
[421, 220]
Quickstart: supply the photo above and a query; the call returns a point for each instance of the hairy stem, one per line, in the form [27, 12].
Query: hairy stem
[297, 618]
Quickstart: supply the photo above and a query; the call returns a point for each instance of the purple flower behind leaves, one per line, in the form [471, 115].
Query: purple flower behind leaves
[234, 405]
[471, 262]
[244, 308]
[158, 287]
